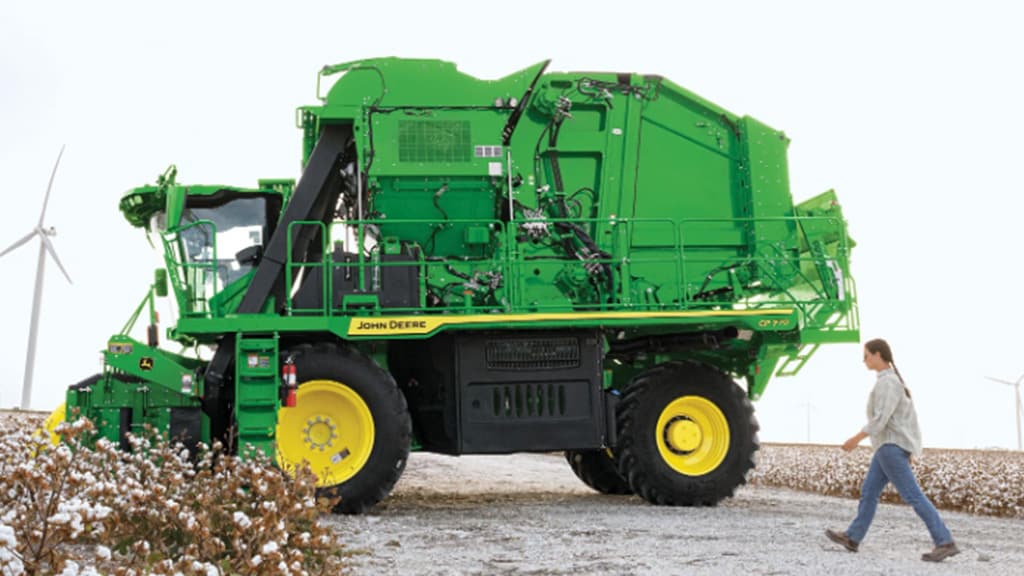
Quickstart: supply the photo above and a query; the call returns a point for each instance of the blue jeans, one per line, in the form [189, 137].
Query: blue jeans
[892, 464]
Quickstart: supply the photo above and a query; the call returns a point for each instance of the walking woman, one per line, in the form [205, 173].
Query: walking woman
[895, 438]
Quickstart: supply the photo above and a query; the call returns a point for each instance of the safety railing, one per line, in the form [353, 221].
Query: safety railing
[548, 265]
[368, 262]
[635, 264]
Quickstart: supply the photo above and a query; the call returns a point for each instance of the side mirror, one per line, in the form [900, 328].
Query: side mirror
[160, 282]
[251, 255]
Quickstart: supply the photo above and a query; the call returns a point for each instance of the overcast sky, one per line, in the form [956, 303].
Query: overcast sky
[910, 110]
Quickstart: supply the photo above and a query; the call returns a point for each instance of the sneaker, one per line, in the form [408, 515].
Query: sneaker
[941, 552]
[842, 538]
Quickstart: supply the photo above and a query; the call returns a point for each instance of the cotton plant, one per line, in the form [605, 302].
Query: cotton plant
[155, 509]
[979, 482]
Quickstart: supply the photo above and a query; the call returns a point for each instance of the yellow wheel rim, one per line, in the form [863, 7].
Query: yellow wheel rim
[330, 428]
[692, 435]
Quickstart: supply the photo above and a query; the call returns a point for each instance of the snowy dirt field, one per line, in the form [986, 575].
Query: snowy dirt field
[528, 514]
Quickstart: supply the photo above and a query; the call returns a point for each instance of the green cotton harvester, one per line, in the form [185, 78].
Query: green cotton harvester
[604, 264]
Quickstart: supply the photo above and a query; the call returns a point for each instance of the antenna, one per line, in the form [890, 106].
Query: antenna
[1018, 408]
[45, 247]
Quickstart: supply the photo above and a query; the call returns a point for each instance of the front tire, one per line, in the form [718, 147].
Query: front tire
[350, 424]
[687, 435]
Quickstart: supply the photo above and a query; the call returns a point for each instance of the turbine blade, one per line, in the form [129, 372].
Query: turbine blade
[1007, 382]
[19, 243]
[49, 248]
[49, 187]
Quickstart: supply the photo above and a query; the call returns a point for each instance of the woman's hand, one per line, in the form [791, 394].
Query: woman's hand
[854, 440]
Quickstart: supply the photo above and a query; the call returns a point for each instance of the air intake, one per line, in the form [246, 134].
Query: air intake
[434, 141]
[533, 354]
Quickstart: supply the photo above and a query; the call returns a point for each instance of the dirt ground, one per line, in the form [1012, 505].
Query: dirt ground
[528, 514]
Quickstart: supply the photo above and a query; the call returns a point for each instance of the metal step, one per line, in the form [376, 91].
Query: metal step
[257, 392]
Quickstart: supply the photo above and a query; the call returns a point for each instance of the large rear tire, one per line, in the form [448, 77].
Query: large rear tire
[597, 469]
[687, 435]
[350, 424]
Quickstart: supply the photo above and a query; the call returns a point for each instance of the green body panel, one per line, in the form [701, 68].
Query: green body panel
[621, 202]
[131, 357]
[141, 385]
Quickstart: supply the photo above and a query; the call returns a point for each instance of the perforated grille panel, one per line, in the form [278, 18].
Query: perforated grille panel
[434, 141]
[529, 400]
[534, 354]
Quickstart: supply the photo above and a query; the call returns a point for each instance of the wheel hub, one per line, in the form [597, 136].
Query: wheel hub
[683, 435]
[319, 433]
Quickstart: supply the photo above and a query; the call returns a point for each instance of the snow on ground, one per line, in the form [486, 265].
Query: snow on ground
[528, 514]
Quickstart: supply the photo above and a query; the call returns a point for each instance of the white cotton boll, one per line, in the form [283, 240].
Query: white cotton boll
[188, 520]
[256, 560]
[60, 518]
[241, 520]
[269, 548]
[70, 569]
[103, 552]
[7, 538]
[9, 563]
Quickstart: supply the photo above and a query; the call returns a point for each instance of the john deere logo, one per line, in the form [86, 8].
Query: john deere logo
[146, 363]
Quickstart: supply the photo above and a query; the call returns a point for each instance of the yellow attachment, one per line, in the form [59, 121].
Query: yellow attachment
[57, 417]
[692, 435]
[330, 427]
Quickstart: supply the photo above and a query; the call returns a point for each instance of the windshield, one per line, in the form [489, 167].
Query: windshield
[219, 233]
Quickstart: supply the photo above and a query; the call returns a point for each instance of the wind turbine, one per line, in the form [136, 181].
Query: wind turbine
[1020, 408]
[809, 407]
[44, 246]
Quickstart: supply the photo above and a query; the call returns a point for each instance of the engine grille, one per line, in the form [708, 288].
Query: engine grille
[434, 141]
[533, 354]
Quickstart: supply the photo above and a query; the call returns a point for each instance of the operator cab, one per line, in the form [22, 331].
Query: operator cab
[213, 236]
